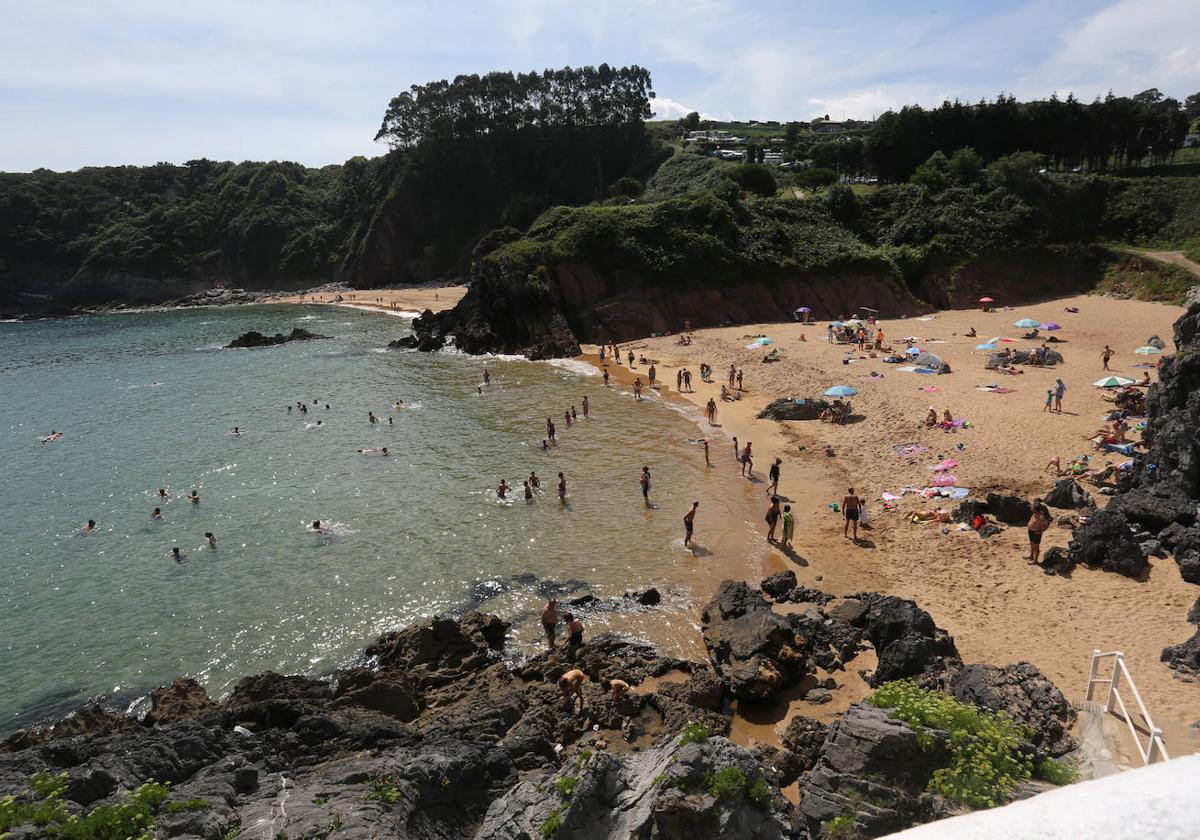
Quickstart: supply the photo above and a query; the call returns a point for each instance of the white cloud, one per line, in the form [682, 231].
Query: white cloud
[669, 109]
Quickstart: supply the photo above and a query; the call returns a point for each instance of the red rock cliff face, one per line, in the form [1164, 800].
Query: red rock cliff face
[1016, 277]
[601, 307]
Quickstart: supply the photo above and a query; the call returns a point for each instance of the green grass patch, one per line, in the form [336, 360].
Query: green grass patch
[566, 785]
[383, 789]
[551, 824]
[1144, 278]
[131, 818]
[693, 733]
[840, 827]
[726, 782]
[986, 759]
[1056, 772]
[186, 805]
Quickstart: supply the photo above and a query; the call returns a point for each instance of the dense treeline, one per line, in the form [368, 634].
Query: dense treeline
[502, 102]
[1114, 132]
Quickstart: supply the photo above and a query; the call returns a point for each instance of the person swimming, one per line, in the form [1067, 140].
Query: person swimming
[371, 418]
[52, 437]
[212, 541]
[236, 432]
[194, 498]
[399, 405]
[318, 528]
[502, 489]
[157, 514]
[381, 451]
[176, 554]
[89, 527]
[163, 494]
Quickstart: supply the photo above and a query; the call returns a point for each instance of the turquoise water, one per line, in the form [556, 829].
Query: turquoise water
[146, 400]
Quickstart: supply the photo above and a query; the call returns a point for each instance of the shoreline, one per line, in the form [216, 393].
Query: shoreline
[998, 608]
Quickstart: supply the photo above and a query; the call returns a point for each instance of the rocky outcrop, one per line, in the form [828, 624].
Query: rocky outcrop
[184, 699]
[257, 339]
[874, 771]
[906, 640]
[754, 649]
[1024, 694]
[1068, 494]
[1107, 543]
[792, 408]
[1011, 510]
[713, 788]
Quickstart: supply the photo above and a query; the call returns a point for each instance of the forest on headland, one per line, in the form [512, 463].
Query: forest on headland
[538, 168]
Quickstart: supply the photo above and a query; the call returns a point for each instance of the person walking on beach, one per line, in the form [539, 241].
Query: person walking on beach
[637, 388]
[689, 524]
[747, 461]
[1060, 389]
[851, 506]
[1049, 401]
[773, 474]
[651, 374]
[712, 411]
[1039, 521]
[550, 621]
[772, 517]
[585, 407]
[1106, 355]
[789, 526]
[562, 489]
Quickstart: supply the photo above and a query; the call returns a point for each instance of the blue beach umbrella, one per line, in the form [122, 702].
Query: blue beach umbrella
[1026, 323]
[913, 351]
[841, 391]
[986, 346]
[760, 342]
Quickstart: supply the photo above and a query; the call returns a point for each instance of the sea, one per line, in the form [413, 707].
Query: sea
[148, 400]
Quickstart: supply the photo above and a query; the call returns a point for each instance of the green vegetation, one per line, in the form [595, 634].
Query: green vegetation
[729, 781]
[986, 756]
[693, 733]
[552, 824]
[383, 789]
[840, 827]
[565, 785]
[1056, 772]
[760, 793]
[1144, 278]
[133, 817]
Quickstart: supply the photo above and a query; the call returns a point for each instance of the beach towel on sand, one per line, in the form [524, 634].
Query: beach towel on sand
[909, 450]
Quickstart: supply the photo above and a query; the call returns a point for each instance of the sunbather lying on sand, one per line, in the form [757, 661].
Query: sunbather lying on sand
[932, 515]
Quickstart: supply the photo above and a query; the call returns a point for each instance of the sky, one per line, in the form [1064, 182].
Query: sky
[86, 83]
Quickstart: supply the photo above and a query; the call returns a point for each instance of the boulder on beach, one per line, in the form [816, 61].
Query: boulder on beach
[1105, 542]
[256, 339]
[1068, 494]
[794, 408]
[1011, 510]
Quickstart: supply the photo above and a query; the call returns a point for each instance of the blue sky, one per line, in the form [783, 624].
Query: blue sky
[130, 81]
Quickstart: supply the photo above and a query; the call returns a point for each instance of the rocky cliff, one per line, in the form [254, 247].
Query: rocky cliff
[444, 737]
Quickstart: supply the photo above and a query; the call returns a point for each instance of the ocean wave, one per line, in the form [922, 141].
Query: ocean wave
[577, 366]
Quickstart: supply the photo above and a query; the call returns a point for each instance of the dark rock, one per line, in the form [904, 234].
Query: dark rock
[1105, 543]
[1179, 538]
[1058, 561]
[1193, 615]
[1024, 693]
[792, 408]
[257, 339]
[1067, 493]
[583, 600]
[873, 769]
[784, 763]
[660, 792]
[1155, 341]
[1189, 565]
[1011, 510]
[969, 509]
[906, 640]
[818, 696]
[1155, 507]
[804, 737]
[779, 584]
[849, 610]
[391, 694]
[441, 650]
[1185, 656]
[754, 649]
[649, 597]
[184, 699]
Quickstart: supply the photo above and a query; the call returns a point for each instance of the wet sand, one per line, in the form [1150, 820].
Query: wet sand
[999, 608]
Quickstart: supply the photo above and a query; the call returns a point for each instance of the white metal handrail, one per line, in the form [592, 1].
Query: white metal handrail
[1154, 749]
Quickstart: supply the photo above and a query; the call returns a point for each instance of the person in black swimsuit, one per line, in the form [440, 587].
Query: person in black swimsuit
[574, 632]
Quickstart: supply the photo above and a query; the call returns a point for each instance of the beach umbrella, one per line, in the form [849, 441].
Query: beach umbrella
[928, 360]
[1025, 323]
[986, 346]
[1050, 326]
[1148, 350]
[987, 300]
[836, 324]
[853, 322]
[841, 391]
[760, 342]
[1113, 382]
[801, 309]
[913, 351]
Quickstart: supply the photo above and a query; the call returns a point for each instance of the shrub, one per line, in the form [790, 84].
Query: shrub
[815, 176]
[1056, 772]
[985, 748]
[760, 793]
[693, 733]
[754, 178]
[840, 827]
[566, 785]
[551, 825]
[729, 781]
[133, 817]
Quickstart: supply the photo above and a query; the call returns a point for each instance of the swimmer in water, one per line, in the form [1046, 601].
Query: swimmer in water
[574, 413]
[176, 554]
[534, 481]
[371, 418]
[545, 444]
[89, 527]
[157, 514]
[212, 541]
[399, 405]
[236, 431]
[567, 417]
[502, 489]
[487, 377]
[318, 527]
[163, 494]
[528, 491]
[562, 489]
[53, 436]
[585, 408]
[194, 498]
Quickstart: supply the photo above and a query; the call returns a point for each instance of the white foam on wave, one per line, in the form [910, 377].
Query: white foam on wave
[395, 313]
[576, 366]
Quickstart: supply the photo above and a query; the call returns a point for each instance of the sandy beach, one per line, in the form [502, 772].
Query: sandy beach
[416, 300]
[999, 608]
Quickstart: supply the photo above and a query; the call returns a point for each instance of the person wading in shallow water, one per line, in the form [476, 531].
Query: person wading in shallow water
[689, 524]
[550, 621]
[772, 517]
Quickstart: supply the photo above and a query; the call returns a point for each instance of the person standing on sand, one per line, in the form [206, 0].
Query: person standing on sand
[747, 461]
[1049, 401]
[689, 524]
[772, 518]
[679, 380]
[687, 380]
[606, 377]
[851, 506]
[829, 333]
[602, 352]
[739, 379]
[585, 407]
[732, 375]
[1106, 355]
[652, 373]
[631, 360]
[550, 621]
[789, 526]
[712, 411]
[737, 452]
[645, 482]
[1039, 521]
[1060, 389]
[562, 489]
[773, 474]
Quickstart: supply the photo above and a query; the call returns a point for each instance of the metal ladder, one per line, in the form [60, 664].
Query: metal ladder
[1153, 749]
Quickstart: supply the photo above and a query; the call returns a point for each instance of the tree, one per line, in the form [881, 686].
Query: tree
[964, 167]
[754, 178]
[791, 134]
[1191, 106]
[932, 174]
[691, 122]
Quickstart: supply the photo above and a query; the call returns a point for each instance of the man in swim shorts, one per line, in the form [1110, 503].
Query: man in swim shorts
[689, 523]
[550, 621]
[645, 482]
[571, 686]
[851, 505]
